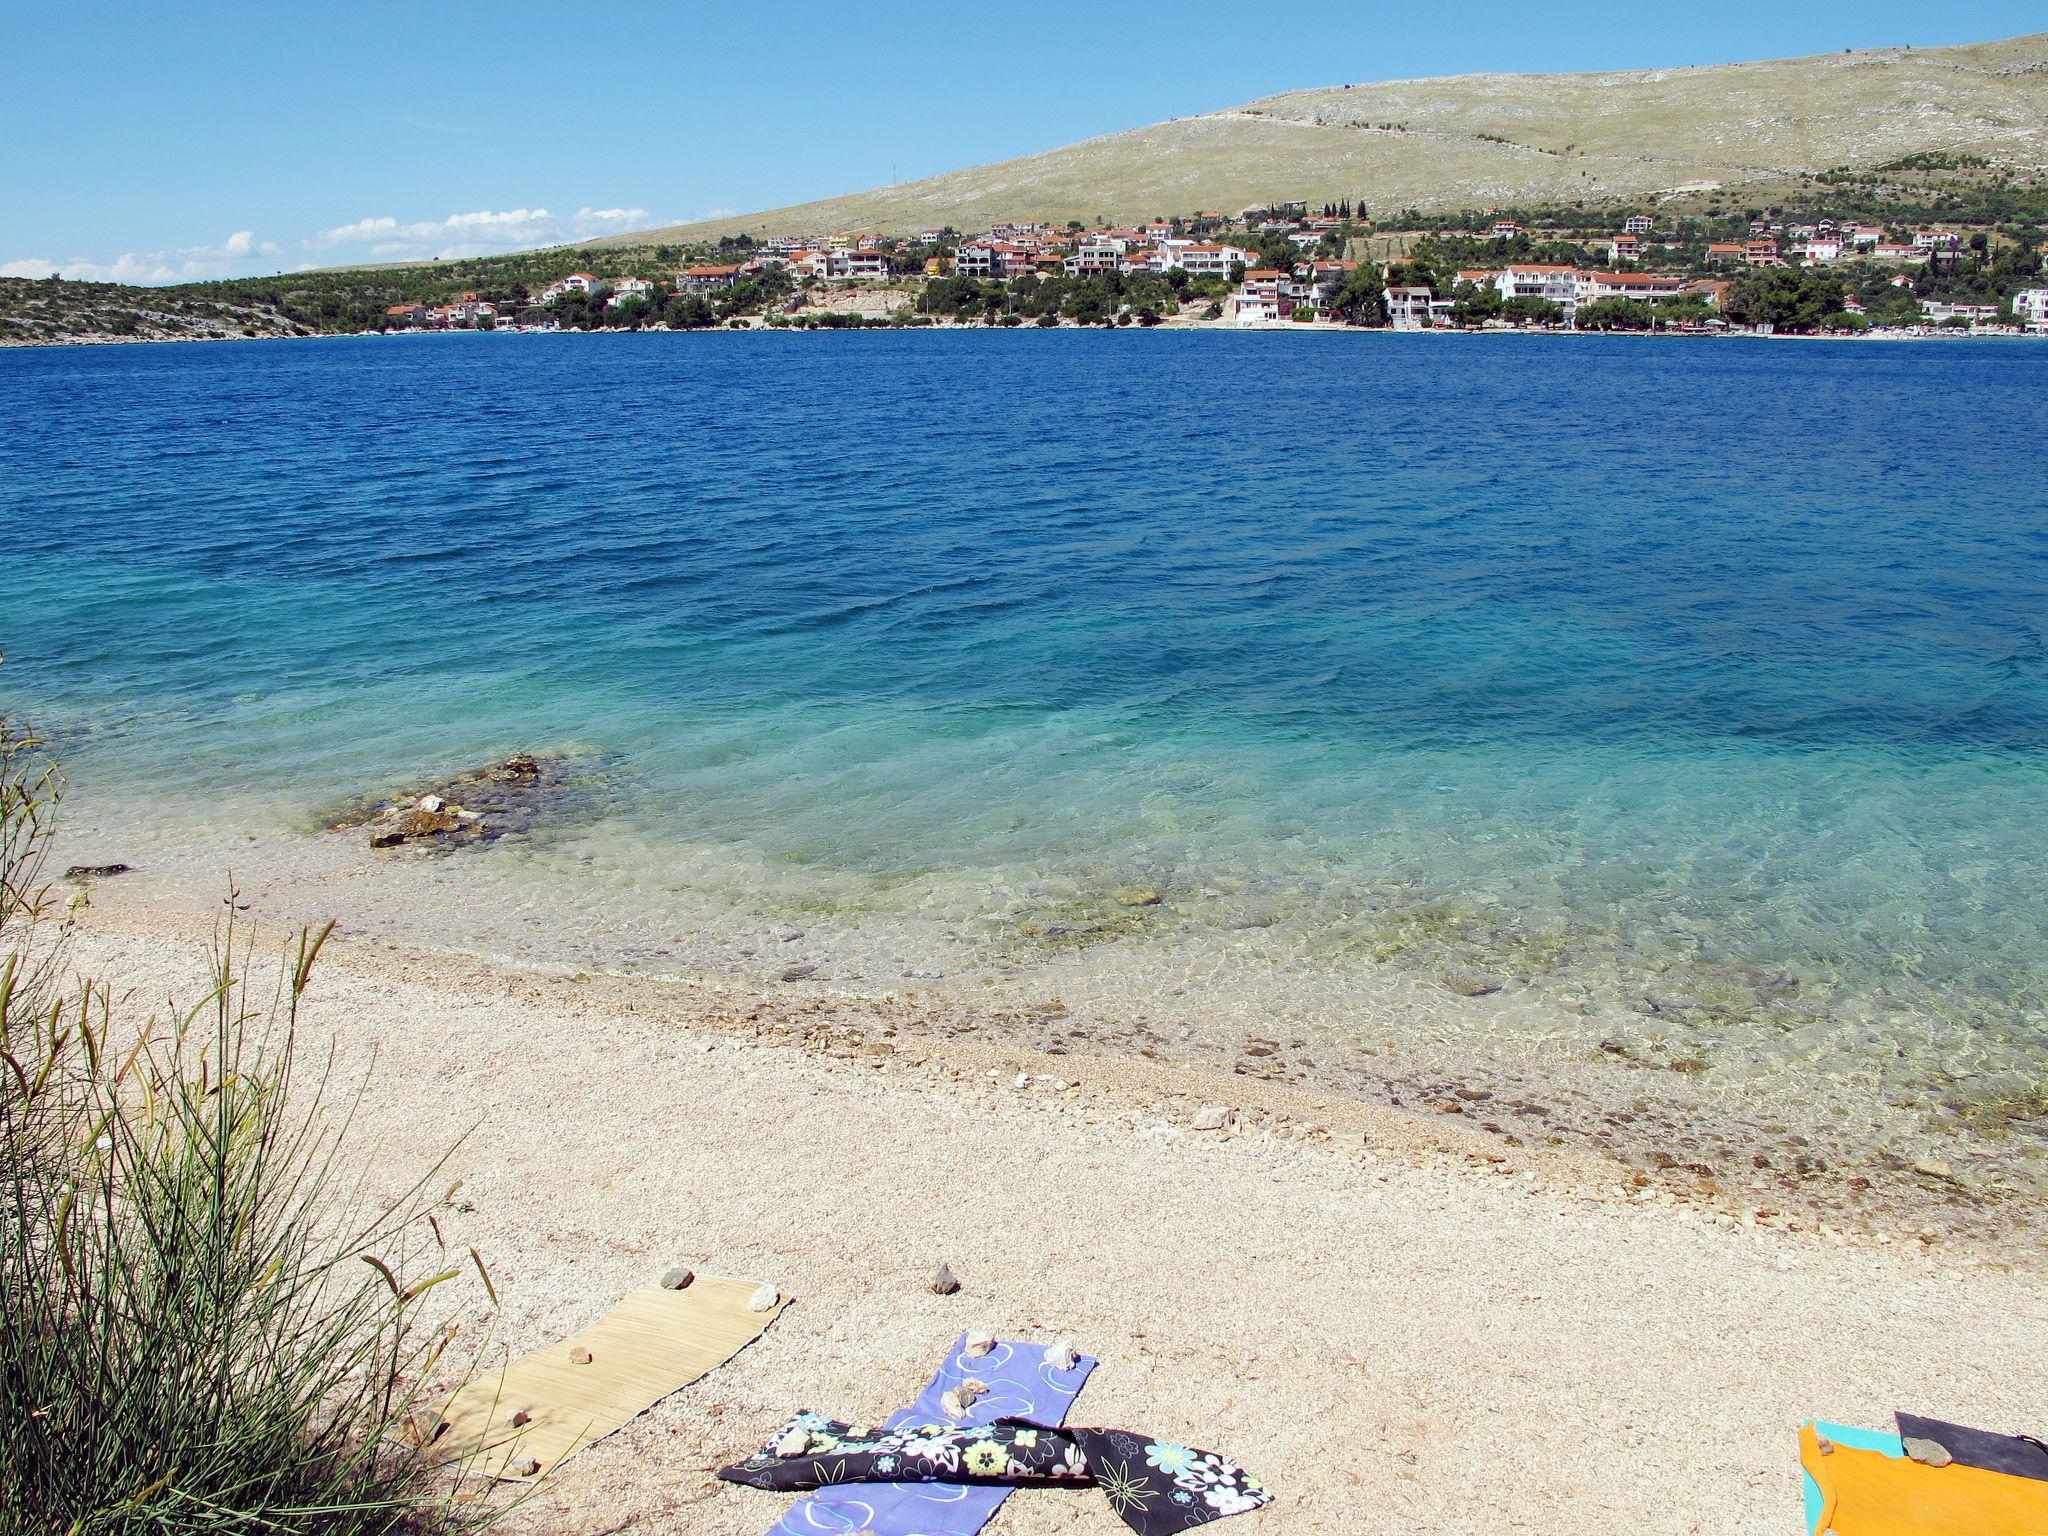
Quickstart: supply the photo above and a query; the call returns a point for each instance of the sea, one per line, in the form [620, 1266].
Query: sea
[1641, 739]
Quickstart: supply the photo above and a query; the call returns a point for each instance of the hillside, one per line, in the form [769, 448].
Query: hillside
[1485, 141]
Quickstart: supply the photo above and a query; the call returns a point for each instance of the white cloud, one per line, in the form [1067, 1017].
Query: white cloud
[607, 221]
[188, 264]
[375, 238]
[460, 234]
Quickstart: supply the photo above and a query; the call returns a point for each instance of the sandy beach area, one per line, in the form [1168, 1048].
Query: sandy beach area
[1397, 1323]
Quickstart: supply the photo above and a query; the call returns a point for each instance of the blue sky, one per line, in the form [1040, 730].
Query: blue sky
[151, 142]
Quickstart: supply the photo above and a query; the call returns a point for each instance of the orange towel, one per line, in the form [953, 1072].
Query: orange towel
[1866, 1493]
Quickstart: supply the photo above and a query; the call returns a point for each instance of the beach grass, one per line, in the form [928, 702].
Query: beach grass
[208, 1320]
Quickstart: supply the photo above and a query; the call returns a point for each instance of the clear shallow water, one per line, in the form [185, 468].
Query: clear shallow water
[1697, 684]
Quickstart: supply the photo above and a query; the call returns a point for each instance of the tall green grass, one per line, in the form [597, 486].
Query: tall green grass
[207, 1321]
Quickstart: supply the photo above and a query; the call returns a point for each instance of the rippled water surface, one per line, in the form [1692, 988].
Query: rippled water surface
[1697, 683]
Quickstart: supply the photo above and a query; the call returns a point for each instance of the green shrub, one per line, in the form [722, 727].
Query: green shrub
[207, 1325]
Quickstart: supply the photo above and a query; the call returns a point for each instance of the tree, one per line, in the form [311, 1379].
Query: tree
[1362, 300]
[1526, 309]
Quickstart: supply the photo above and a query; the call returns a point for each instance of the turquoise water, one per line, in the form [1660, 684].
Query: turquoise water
[1707, 679]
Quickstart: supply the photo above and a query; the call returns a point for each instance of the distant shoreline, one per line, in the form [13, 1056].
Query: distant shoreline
[1226, 327]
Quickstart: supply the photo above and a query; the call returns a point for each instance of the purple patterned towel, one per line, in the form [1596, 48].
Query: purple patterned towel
[1020, 1385]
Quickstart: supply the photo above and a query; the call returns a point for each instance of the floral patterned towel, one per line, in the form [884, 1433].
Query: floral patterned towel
[1155, 1487]
[1022, 1383]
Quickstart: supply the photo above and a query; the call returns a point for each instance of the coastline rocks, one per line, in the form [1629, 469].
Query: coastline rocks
[96, 871]
[1138, 896]
[480, 806]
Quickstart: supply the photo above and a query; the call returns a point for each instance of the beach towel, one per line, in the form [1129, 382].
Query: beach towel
[2015, 1455]
[1156, 1487]
[575, 1392]
[1021, 1383]
[1870, 1493]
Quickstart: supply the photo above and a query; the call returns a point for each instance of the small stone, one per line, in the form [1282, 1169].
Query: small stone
[518, 1417]
[1021, 1080]
[799, 972]
[952, 1404]
[1212, 1117]
[526, 1466]
[764, 1299]
[678, 1278]
[1933, 1168]
[579, 1356]
[942, 1282]
[431, 803]
[1138, 896]
[970, 1390]
[521, 766]
[794, 1442]
[1468, 983]
[1060, 1355]
[386, 839]
[1929, 1453]
[979, 1343]
[1823, 1444]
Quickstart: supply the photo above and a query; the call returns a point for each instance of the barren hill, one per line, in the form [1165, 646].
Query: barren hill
[1478, 141]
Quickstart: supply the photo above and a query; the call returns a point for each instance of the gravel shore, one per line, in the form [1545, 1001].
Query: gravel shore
[1395, 1323]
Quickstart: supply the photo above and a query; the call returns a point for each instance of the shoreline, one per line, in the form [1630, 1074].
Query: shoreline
[1507, 1070]
[1413, 1280]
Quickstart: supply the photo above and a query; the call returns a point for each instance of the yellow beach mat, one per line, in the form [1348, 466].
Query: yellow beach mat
[1866, 1493]
[579, 1390]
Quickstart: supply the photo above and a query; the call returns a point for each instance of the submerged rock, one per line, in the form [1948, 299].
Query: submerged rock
[1470, 983]
[1138, 896]
[95, 871]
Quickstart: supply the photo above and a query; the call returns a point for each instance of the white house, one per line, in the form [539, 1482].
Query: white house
[1201, 258]
[629, 288]
[1411, 308]
[857, 266]
[1639, 224]
[1267, 295]
[1643, 287]
[1540, 280]
[2030, 306]
[575, 282]
[1934, 312]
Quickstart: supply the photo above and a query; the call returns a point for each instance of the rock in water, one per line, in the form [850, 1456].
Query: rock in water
[942, 1282]
[677, 1279]
[95, 871]
[1138, 896]
[764, 1299]
[1470, 983]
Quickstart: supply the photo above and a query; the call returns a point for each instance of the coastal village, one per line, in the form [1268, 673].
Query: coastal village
[1288, 266]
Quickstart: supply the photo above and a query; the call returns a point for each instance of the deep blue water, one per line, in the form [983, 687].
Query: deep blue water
[1581, 657]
